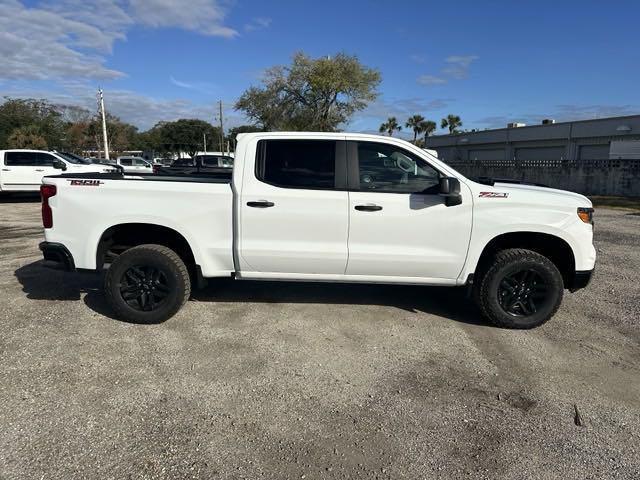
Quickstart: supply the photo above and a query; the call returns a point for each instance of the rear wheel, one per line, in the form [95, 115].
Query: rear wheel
[147, 284]
[520, 289]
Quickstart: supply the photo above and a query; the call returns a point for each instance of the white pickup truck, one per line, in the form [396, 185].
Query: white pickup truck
[21, 170]
[334, 207]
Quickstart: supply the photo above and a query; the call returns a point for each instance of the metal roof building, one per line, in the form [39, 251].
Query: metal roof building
[596, 139]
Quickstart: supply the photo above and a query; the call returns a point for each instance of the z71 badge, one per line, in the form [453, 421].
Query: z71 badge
[493, 195]
[86, 183]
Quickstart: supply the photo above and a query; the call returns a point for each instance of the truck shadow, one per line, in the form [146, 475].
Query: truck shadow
[451, 303]
[25, 197]
[42, 283]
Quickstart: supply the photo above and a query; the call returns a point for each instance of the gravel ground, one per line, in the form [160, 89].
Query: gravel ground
[256, 380]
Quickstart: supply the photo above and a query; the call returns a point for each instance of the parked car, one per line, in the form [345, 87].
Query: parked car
[22, 170]
[200, 163]
[214, 160]
[334, 207]
[134, 164]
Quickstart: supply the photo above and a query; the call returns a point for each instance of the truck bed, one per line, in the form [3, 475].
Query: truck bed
[198, 207]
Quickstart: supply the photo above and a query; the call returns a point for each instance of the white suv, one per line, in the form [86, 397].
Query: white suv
[134, 164]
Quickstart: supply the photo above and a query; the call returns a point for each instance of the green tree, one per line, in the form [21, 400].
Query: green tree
[28, 136]
[310, 94]
[19, 113]
[452, 122]
[233, 132]
[184, 135]
[428, 127]
[415, 122]
[390, 126]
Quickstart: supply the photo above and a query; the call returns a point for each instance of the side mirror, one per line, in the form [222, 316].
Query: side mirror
[450, 190]
[147, 165]
[59, 164]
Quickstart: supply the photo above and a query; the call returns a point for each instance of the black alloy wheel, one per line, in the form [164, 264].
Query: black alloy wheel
[518, 288]
[144, 288]
[523, 293]
[147, 284]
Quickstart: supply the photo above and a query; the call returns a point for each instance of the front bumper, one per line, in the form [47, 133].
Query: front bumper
[58, 254]
[580, 280]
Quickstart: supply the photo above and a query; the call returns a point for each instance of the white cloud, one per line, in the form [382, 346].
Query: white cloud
[456, 68]
[203, 16]
[258, 23]
[431, 80]
[70, 38]
[202, 87]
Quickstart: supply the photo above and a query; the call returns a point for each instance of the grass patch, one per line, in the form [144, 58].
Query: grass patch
[626, 203]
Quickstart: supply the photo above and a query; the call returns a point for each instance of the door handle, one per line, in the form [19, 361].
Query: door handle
[6, 169]
[39, 170]
[260, 204]
[368, 208]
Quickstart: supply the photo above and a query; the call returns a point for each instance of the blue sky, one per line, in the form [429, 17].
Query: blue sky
[489, 62]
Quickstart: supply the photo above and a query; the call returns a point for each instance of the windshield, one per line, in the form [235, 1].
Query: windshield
[73, 158]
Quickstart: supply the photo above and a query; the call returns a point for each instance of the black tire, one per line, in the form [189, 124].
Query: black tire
[147, 284]
[519, 289]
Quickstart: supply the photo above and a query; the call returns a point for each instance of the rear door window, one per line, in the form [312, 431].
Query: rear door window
[22, 159]
[307, 164]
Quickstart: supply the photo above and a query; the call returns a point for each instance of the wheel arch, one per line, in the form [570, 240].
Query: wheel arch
[119, 238]
[551, 246]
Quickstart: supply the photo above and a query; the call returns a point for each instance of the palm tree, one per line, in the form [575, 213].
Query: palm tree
[452, 121]
[415, 122]
[427, 127]
[390, 126]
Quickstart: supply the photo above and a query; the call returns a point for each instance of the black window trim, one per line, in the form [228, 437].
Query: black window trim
[353, 169]
[340, 175]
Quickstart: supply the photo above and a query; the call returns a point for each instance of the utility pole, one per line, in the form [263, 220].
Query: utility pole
[104, 123]
[221, 129]
[204, 135]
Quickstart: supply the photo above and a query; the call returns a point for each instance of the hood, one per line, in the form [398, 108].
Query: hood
[533, 193]
[93, 168]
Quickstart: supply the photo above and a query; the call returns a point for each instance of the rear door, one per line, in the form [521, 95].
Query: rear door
[399, 225]
[294, 210]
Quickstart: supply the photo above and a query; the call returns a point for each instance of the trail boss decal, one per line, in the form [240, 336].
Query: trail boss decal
[493, 195]
[86, 183]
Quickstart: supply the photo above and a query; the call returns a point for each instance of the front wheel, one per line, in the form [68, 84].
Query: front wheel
[147, 284]
[520, 289]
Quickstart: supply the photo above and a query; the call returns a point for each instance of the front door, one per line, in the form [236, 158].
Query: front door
[293, 218]
[399, 225]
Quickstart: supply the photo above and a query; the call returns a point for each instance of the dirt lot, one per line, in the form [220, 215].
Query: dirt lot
[256, 380]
